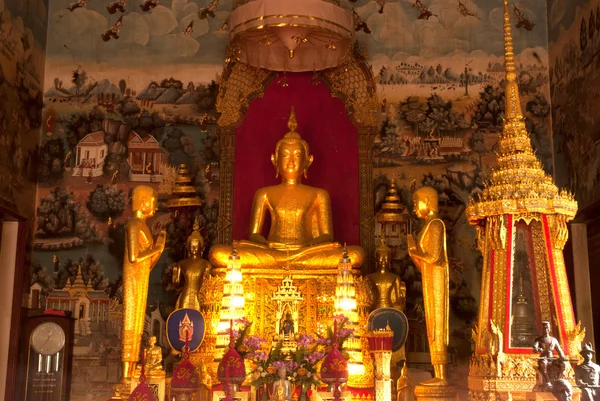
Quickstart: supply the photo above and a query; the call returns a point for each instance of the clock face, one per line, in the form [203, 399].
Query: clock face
[48, 338]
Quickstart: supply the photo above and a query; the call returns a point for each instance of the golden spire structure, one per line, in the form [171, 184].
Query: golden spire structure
[519, 209]
[518, 184]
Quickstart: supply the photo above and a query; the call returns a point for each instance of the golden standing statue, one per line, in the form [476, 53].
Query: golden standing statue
[429, 254]
[194, 269]
[301, 231]
[141, 254]
[390, 291]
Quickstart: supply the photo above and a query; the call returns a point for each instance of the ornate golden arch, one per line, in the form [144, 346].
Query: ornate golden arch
[352, 82]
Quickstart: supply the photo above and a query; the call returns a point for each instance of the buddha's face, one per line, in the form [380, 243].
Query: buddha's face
[151, 340]
[149, 206]
[587, 356]
[546, 328]
[421, 206]
[291, 160]
[194, 247]
[383, 261]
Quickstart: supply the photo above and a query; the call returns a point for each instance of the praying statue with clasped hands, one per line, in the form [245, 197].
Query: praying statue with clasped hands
[301, 231]
[282, 388]
[428, 252]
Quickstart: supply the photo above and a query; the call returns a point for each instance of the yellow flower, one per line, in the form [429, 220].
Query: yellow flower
[271, 370]
[242, 348]
[302, 371]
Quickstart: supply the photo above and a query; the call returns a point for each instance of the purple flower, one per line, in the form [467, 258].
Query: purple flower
[243, 321]
[340, 319]
[345, 333]
[305, 340]
[290, 366]
[254, 342]
[314, 357]
[323, 341]
[257, 356]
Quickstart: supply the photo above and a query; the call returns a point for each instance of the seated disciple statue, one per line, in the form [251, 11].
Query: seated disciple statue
[586, 375]
[194, 269]
[153, 357]
[301, 231]
[282, 388]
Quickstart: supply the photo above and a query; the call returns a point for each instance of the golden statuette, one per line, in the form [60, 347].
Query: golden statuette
[141, 254]
[153, 358]
[428, 253]
[390, 291]
[301, 231]
[193, 269]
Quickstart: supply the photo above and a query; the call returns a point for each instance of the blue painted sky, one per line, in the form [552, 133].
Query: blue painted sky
[155, 37]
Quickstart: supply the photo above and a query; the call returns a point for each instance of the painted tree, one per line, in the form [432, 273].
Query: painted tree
[490, 107]
[477, 145]
[413, 112]
[59, 215]
[92, 273]
[443, 117]
[50, 161]
[106, 201]
[122, 86]
[583, 35]
[39, 274]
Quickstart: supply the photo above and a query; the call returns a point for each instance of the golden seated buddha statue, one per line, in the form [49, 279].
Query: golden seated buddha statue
[301, 231]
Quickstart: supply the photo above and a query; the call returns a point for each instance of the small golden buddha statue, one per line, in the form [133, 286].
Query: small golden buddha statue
[194, 269]
[390, 290]
[141, 254]
[428, 253]
[153, 358]
[301, 231]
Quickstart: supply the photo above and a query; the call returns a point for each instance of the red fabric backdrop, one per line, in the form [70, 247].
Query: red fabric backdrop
[333, 140]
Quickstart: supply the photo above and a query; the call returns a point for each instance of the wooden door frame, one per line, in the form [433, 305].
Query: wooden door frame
[16, 320]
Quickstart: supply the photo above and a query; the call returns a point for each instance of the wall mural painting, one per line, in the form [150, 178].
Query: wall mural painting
[22, 57]
[439, 67]
[574, 35]
[130, 92]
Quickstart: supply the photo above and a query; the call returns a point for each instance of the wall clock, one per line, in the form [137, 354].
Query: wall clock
[46, 356]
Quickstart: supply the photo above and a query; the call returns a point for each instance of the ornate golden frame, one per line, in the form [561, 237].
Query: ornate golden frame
[352, 82]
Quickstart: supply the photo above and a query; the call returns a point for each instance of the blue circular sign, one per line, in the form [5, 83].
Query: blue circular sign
[184, 323]
[398, 322]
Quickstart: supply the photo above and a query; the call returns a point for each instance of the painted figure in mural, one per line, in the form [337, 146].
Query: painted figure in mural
[141, 254]
[148, 5]
[78, 4]
[562, 390]
[209, 11]
[113, 31]
[288, 325]
[194, 270]
[301, 232]
[189, 29]
[390, 291]
[153, 357]
[428, 252]
[115, 6]
[359, 23]
[282, 388]
[549, 367]
[586, 375]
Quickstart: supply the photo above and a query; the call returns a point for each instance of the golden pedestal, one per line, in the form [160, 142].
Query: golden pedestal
[435, 393]
[546, 396]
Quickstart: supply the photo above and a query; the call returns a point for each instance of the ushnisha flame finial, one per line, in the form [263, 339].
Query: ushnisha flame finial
[513, 103]
[292, 123]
